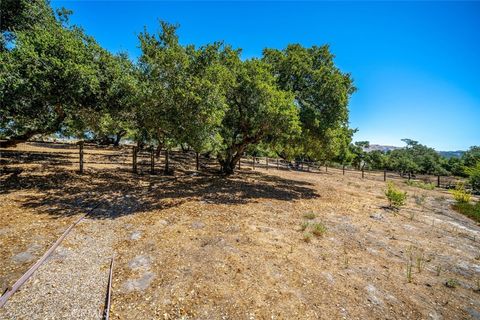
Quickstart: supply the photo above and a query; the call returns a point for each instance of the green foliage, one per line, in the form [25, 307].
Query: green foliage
[183, 99]
[54, 77]
[321, 94]
[420, 184]
[257, 111]
[20, 15]
[471, 210]
[451, 283]
[307, 237]
[395, 197]
[460, 194]
[309, 215]
[304, 225]
[472, 156]
[415, 158]
[455, 166]
[359, 154]
[474, 176]
[47, 77]
[319, 229]
[377, 159]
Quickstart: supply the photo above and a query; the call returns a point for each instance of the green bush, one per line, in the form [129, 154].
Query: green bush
[421, 184]
[396, 198]
[318, 229]
[460, 194]
[474, 176]
[307, 237]
[469, 209]
[309, 215]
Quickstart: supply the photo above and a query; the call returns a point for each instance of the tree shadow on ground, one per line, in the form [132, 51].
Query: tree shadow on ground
[117, 193]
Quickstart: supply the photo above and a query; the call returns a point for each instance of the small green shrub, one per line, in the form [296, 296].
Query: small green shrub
[451, 283]
[309, 215]
[318, 229]
[304, 226]
[460, 194]
[471, 210]
[396, 198]
[409, 271]
[307, 237]
[420, 184]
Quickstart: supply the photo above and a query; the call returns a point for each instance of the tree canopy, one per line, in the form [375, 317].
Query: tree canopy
[56, 79]
[292, 102]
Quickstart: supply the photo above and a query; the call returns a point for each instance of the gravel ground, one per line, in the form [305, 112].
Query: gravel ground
[72, 283]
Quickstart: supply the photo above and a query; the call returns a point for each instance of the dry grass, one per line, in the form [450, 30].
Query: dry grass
[231, 247]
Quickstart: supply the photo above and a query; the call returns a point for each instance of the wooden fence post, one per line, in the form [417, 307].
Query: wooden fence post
[253, 162]
[80, 146]
[134, 160]
[152, 161]
[438, 181]
[240, 163]
[363, 173]
[197, 164]
[167, 162]
[278, 167]
[343, 169]
[409, 176]
[266, 162]
[326, 168]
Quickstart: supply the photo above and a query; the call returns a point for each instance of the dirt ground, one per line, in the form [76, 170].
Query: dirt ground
[206, 247]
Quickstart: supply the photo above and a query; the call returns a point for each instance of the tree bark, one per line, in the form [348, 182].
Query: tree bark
[118, 137]
[233, 156]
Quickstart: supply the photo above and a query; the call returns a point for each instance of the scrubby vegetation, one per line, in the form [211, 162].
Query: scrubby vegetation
[420, 184]
[463, 203]
[471, 210]
[460, 194]
[396, 198]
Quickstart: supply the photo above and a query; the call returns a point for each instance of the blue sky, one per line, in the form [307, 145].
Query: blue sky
[416, 64]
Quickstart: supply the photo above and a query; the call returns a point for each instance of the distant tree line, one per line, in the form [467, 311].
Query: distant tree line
[413, 159]
[56, 79]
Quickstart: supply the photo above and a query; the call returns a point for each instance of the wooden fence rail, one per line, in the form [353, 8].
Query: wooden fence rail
[64, 154]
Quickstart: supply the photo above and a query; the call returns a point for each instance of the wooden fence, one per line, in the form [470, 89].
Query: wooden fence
[315, 167]
[83, 156]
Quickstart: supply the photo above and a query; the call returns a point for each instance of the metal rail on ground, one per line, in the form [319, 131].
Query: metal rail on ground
[106, 311]
[4, 298]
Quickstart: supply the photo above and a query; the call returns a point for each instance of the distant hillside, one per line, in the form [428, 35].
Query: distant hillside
[446, 154]
[451, 154]
[379, 147]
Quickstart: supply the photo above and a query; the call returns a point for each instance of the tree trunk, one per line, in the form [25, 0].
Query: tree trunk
[118, 137]
[229, 164]
[52, 128]
[167, 167]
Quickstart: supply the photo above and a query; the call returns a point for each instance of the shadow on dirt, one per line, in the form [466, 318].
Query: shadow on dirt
[117, 193]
